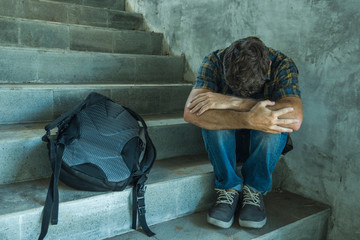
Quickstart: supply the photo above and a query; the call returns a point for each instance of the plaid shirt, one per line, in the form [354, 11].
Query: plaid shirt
[281, 80]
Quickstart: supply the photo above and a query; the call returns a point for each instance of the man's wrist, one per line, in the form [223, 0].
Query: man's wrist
[243, 104]
[246, 120]
[236, 103]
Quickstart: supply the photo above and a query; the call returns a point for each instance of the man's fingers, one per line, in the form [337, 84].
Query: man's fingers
[279, 129]
[283, 111]
[286, 121]
[198, 106]
[196, 101]
[201, 95]
[203, 109]
[196, 97]
[266, 103]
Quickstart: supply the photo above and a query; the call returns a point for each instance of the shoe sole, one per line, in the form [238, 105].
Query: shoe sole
[219, 223]
[252, 224]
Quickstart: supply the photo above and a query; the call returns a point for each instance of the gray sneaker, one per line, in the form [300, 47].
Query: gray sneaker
[252, 213]
[222, 213]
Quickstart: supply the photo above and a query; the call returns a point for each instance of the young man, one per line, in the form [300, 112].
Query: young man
[246, 100]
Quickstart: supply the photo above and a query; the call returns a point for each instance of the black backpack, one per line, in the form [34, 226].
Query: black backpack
[99, 146]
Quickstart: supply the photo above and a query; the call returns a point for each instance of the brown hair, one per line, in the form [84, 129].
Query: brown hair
[246, 63]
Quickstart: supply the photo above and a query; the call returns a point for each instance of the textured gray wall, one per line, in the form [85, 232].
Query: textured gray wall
[322, 36]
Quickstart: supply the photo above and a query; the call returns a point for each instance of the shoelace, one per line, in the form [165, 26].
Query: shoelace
[250, 197]
[224, 196]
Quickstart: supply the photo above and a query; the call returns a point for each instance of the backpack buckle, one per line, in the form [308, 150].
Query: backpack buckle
[140, 201]
[141, 204]
[142, 210]
[142, 190]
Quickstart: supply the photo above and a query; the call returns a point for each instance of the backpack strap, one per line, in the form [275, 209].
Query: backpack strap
[139, 206]
[139, 185]
[51, 207]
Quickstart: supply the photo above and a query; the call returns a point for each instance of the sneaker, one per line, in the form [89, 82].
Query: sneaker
[222, 214]
[252, 213]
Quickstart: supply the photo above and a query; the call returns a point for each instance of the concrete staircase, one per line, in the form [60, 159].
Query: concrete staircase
[53, 54]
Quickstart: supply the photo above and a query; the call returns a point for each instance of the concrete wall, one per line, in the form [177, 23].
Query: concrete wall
[322, 36]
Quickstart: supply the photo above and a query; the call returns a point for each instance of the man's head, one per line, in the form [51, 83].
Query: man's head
[246, 63]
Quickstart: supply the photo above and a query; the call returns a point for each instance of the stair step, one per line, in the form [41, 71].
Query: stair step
[48, 101]
[43, 34]
[113, 4]
[24, 157]
[71, 13]
[89, 215]
[63, 66]
[290, 216]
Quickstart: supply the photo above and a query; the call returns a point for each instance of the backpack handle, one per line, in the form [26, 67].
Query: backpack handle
[91, 98]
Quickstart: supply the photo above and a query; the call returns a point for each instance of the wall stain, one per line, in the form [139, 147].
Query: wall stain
[179, 228]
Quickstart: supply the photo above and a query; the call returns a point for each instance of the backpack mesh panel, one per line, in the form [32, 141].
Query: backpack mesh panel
[105, 128]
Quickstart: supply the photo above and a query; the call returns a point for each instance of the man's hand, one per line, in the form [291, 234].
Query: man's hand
[209, 100]
[263, 119]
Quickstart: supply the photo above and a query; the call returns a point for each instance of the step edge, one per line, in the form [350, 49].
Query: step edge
[52, 87]
[78, 25]
[100, 195]
[320, 214]
[85, 5]
[69, 51]
[88, 6]
[33, 128]
[124, 228]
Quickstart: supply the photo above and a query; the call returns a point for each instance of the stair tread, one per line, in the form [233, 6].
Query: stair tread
[31, 130]
[25, 196]
[117, 5]
[32, 86]
[64, 51]
[86, 6]
[56, 35]
[24, 155]
[283, 208]
[78, 25]
[71, 66]
[74, 14]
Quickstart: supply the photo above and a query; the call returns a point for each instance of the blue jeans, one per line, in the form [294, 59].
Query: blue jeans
[259, 150]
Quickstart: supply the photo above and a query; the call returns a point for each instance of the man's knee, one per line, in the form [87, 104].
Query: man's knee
[220, 135]
[219, 138]
[268, 138]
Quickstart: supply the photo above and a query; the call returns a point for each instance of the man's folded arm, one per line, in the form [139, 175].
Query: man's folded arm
[213, 119]
[227, 112]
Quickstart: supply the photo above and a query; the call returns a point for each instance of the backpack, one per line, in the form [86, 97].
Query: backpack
[99, 146]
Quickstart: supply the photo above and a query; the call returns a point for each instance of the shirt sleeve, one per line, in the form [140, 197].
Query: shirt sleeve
[207, 74]
[286, 80]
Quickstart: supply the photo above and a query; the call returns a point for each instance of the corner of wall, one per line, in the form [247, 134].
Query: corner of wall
[189, 75]
[138, 7]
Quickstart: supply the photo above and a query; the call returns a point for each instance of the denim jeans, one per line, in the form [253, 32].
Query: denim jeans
[258, 150]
